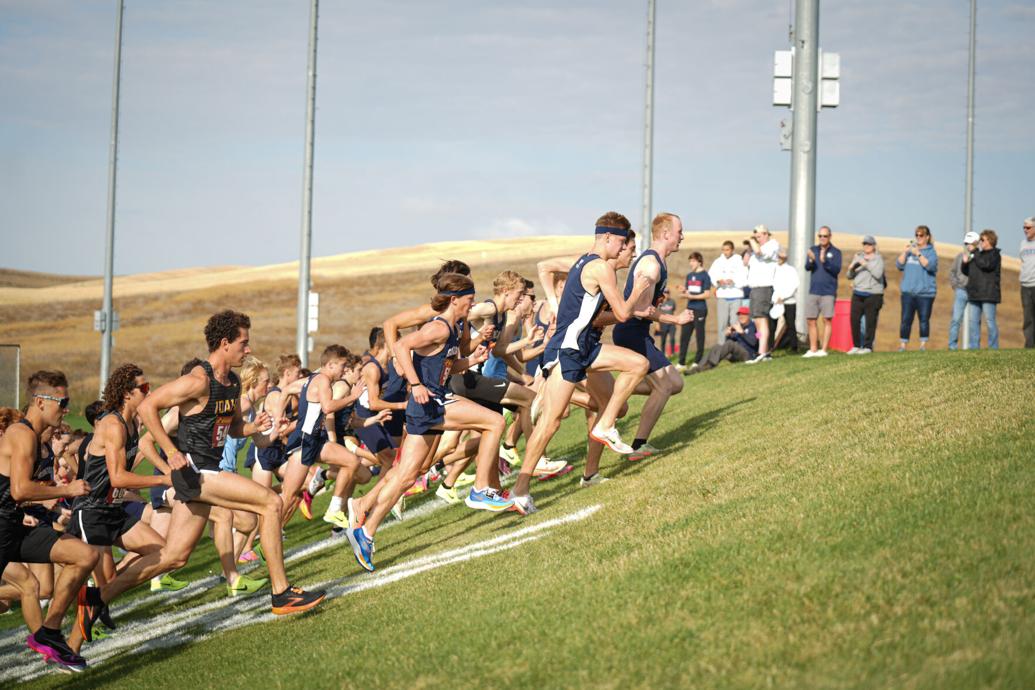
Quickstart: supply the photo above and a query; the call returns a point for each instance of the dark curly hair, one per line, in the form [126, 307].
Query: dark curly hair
[122, 381]
[93, 411]
[450, 282]
[226, 324]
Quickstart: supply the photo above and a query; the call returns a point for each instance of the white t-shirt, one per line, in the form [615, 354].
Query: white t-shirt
[762, 265]
[785, 283]
[733, 269]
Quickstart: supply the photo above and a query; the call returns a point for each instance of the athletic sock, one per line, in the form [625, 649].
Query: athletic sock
[446, 486]
[366, 534]
[507, 446]
[585, 478]
[335, 505]
[440, 466]
[638, 442]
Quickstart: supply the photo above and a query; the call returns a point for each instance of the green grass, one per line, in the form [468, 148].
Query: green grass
[850, 522]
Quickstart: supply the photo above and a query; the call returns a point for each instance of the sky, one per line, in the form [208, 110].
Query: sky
[450, 120]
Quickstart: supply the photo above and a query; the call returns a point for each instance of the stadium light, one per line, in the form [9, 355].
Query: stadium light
[648, 134]
[105, 321]
[302, 339]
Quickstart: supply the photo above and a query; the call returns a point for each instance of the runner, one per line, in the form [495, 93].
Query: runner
[208, 400]
[634, 334]
[19, 452]
[427, 357]
[575, 348]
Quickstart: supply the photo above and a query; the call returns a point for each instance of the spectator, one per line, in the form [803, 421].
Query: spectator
[785, 291]
[868, 282]
[728, 276]
[824, 263]
[741, 344]
[1027, 255]
[761, 265]
[958, 282]
[919, 265]
[667, 331]
[983, 267]
[697, 289]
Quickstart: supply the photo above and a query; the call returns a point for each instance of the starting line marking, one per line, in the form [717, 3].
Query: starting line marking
[216, 617]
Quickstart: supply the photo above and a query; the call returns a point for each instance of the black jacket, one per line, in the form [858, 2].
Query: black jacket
[983, 271]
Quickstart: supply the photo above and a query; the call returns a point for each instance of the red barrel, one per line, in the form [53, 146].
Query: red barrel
[841, 333]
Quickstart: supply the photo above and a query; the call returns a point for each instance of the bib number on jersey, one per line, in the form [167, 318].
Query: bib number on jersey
[220, 431]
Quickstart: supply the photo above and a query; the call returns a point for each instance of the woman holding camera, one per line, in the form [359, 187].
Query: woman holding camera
[867, 275]
[919, 265]
[982, 264]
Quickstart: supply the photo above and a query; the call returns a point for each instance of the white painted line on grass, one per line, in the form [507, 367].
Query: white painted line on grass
[215, 617]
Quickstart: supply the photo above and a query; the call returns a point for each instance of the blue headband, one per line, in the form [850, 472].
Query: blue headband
[456, 293]
[621, 232]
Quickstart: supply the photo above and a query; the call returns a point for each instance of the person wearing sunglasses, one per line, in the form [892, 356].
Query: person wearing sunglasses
[918, 263]
[19, 451]
[1027, 255]
[824, 265]
[983, 265]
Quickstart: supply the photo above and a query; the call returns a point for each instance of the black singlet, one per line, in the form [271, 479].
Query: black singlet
[203, 435]
[95, 471]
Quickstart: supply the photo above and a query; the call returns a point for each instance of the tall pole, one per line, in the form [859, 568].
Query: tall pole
[302, 336]
[968, 193]
[802, 225]
[107, 310]
[648, 132]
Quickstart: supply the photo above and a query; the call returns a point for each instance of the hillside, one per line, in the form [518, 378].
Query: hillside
[162, 314]
[840, 523]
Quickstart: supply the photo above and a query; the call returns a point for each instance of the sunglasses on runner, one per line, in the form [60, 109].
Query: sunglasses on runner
[62, 402]
[145, 388]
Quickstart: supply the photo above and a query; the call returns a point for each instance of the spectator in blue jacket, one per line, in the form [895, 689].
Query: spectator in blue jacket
[741, 344]
[919, 265]
[824, 263]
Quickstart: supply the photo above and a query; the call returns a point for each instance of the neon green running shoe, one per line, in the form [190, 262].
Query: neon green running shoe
[167, 583]
[339, 519]
[448, 495]
[463, 480]
[245, 586]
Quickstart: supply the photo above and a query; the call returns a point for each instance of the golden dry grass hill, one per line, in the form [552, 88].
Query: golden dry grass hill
[162, 314]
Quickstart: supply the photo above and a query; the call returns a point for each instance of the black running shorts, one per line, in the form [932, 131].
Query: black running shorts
[100, 526]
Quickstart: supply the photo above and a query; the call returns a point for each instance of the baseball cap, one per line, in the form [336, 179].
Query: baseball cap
[870, 239]
[971, 237]
[743, 310]
[761, 228]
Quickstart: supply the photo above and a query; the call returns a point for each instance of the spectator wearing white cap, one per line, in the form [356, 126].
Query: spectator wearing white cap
[958, 282]
[785, 291]
[761, 265]
[983, 267]
[729, 276]
[1027, 255]
[868, 282]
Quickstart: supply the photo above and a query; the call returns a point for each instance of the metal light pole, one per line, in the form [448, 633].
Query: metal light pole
[803, 147]
[648, 133]
[302, 335]
[107, 311]
[968, 194]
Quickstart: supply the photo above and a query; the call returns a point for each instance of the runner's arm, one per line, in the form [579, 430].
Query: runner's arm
[547, 269]
[113, 435]
[607, 283]
[192, 386]
[373, 381]
[170, 422]
[405, 319]
[22, 444]
[428, 335]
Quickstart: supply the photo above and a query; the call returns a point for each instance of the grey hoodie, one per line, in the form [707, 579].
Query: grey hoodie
[957, 279]
[868, 276]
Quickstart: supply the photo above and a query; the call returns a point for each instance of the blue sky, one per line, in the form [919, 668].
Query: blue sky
[442, 119]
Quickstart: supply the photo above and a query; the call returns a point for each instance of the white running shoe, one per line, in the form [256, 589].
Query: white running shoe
[853, 351]
[864, 351]
[316, 483]
[510, 455]
[547, 467]
[820, 353]
[810, 354]
[524, 504]
[611, 439]
[597, 478]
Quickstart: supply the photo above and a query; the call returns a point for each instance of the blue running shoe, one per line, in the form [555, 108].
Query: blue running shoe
[487, 499]
[362, 547]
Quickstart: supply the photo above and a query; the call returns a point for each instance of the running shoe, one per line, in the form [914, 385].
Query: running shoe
[644, 451]
[88, 610]
[105, 618]
[524, 504]
[419, 486]
[433, 475]
[167, 583]
[549, 469]
[295, 600]
[448, 495]
[257, 548]
[464, 480]
[99, 633]
[248, 556]
[362, 548]
[597, 478]
[398, 508]
[306, 505]
[853, 351]
[356, 518]
[338, 532]
[611, 439]
[245, 586]
[487, 499]
[339, 519]
[55, 650]
[316, 483]
[510, 455]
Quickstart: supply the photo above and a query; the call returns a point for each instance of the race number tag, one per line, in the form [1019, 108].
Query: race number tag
[220, 431]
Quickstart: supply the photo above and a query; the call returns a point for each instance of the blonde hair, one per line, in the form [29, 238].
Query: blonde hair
[507, 281]
[662, 222]
[251, 371]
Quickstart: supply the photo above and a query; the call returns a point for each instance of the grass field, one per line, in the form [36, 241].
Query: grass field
[838, 523]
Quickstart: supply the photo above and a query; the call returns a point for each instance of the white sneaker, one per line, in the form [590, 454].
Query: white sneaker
[864, 351]
[510, 455]
[316, 483]
[524, 504]
[546, 467]
[853, 351]
[597, 478]
[611, 439]
[820, 353]
[810, 354]
[680, 367]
